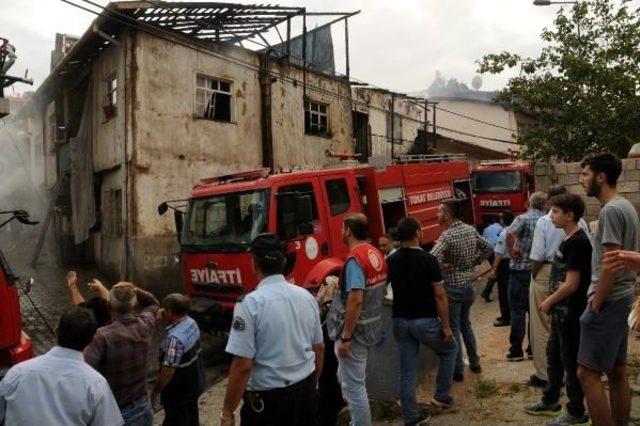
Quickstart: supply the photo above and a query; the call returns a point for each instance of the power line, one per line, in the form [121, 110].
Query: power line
[174, 38]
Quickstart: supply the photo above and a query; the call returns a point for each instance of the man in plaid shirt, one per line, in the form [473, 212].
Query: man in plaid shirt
[519, 241]
[459, 249]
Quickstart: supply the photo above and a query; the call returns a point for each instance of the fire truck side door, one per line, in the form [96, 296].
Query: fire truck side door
[341, 198]
[303, 252]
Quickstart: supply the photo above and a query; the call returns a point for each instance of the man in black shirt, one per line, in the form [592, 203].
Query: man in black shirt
[570, 279]
[420, 315]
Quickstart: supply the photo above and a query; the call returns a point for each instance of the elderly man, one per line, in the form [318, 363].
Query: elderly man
[277, 347]
[181, 378]
[546, 241]
[120, 350]
[59, 388]
[519, 242]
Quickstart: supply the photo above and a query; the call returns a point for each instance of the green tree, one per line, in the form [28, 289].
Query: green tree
[582, 91]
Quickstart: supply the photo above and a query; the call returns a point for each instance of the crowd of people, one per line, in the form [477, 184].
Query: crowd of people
[292, 351]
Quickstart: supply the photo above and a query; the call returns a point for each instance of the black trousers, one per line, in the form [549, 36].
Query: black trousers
[488, 287]
[330, 400]
[562, 356]
[294, 405]
[503, 290]
[185, 414]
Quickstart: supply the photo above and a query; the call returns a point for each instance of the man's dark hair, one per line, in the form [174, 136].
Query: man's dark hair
[454, 207]
[268, 254]
[569, 203]
[177, 303]
[76, 328]
[554, 190]
[358, 224]
[100, 309]
[407, 229]
[507, 217]
[606, 163]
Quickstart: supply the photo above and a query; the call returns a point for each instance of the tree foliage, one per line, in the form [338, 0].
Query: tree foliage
[582, 91]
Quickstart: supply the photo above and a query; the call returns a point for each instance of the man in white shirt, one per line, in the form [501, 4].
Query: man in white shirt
[546, 240]
[59, 388]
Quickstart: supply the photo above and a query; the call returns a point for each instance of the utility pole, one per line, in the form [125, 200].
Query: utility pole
[435, 136]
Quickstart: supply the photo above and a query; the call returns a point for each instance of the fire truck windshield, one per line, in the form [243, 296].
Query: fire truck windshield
[226, 222]
[505, 181]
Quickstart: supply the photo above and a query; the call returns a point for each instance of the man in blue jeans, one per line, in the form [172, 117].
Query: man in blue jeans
[420, 315]
[459, 249]
[519, 242]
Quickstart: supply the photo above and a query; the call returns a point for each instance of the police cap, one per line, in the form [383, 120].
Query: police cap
[268, 246]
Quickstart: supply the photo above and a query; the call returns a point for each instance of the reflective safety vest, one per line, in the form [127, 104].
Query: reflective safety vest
[367, 330]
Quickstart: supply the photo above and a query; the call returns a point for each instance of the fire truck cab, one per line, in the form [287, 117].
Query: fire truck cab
[306, 210]
[499, 186]
[15, 344]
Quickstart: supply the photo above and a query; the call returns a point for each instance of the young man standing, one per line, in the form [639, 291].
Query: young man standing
[569, 280]
[355, 317]
[604, 328]
[420, 315]
[459, 249]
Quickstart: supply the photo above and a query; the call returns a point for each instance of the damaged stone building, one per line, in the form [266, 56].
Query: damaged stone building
[154, 97]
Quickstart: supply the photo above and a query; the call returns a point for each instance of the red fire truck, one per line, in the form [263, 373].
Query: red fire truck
[306, 209]
[15, 345]
[499, 186]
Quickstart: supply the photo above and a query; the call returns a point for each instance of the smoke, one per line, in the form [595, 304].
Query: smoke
[21, 170]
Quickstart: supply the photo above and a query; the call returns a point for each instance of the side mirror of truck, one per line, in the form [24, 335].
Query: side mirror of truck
[162, 208]
[304, 215]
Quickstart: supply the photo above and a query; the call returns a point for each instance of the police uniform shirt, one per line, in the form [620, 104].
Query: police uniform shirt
[276, 325]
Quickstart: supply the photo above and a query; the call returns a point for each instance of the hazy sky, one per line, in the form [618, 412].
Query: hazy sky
[396, 44]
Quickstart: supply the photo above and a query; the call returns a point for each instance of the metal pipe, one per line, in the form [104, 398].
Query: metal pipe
[346, 43]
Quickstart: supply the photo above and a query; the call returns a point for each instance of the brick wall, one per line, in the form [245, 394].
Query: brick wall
[568, 174]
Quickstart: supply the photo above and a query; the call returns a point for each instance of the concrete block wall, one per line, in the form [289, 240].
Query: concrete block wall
[568, 174]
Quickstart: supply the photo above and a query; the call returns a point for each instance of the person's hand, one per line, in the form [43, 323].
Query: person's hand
[448, 333]
[95, 285]
[446, 267]
[72, 278]
[343, 349]
[545, 306]
[516, 254]
[621, 259]
[493, 274]
[154, 398]
[596, 305]
[227, 419]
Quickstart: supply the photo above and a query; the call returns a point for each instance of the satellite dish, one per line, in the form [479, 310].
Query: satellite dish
[476, 83]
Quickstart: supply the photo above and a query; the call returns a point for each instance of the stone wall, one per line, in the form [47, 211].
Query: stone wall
[568, 174]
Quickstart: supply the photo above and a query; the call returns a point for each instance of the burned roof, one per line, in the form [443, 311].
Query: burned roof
[222, 22]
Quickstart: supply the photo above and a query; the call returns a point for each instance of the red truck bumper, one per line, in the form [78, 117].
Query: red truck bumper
[18, 353]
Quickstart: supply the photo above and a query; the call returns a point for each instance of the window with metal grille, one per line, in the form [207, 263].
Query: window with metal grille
[316, 119]
[213, 99]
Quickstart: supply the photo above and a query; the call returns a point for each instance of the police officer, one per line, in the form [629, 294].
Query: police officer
[355, 318]
[276, 340]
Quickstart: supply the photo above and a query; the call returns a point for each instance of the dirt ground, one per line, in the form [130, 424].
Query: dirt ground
[503, 382]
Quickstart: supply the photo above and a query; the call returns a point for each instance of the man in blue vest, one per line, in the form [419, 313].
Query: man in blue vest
[181, 378]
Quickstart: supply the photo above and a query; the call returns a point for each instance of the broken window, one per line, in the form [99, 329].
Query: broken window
[213, 98]
[316, 119]
[111, 97]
